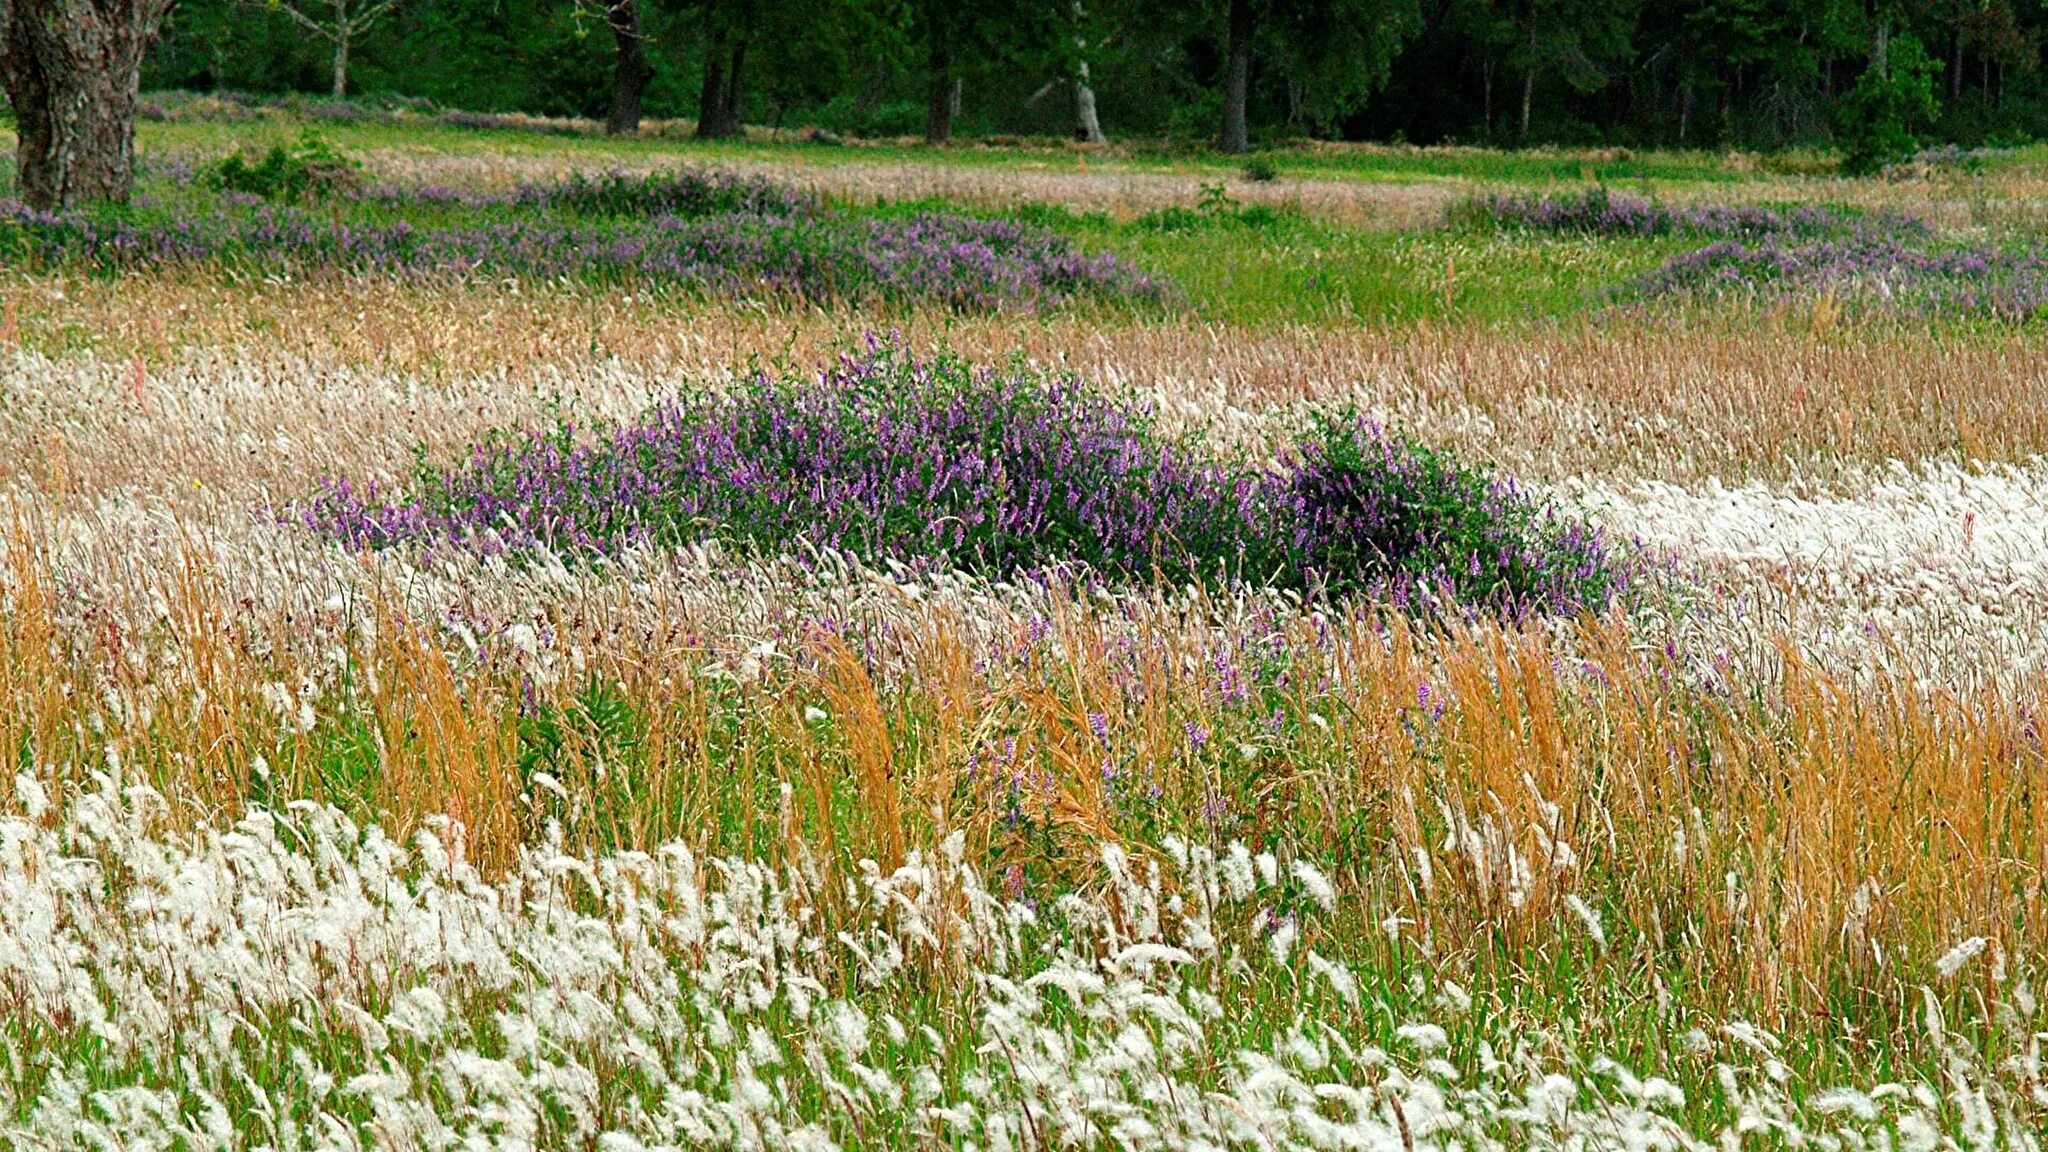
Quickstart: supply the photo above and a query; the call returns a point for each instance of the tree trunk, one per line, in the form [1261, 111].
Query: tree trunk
[630, 76]
[1087, 128]
[72, 69]
[1528, 94]
[873, 87]
[711, 97]
[736, 90]
[1237, 72]
[938, 96]
[341, 58]
[1955, 68]
[1486, 83]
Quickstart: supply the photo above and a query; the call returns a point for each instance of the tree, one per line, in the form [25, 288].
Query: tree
[340, 23]
[1237, 73]
[954, 37]
[721, 102]
[1564, 38]
[631, 73]
[72, 70]
[1330, 53]
[1087, 125]
[1892, 100]
[940, 23]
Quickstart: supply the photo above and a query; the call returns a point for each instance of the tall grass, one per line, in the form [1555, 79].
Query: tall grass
[1780, 846]
[802, 848]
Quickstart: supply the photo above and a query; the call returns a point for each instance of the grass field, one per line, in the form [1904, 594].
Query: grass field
[705, 834]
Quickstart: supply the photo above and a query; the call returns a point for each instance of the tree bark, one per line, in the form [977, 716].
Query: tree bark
[630, 76]
[341, 55]
[719, 101]
[1087, 127]
[1528, 94]
[72, 69]
[1955, 68]
[938, 104]
[1237, 70]
[1486, 82]
[736, 90]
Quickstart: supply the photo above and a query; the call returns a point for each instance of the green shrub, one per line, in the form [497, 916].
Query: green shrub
[309, 169]
[1216, 208]
[1877, 120]
[1261, 170]
[1377, 509]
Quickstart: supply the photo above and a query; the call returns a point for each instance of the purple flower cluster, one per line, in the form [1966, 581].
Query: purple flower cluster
[1889, 262]
[1598, 212]
[1993, 283]
[725, 235]
[932, 461]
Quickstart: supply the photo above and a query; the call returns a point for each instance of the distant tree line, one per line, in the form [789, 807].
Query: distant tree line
[1710, 73]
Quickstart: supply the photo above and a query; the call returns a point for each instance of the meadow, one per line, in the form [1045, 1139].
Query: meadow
[540, 641]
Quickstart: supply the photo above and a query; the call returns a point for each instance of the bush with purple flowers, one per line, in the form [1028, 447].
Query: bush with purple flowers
[935, 462]
[1991, 283]
[1883, 263]
[707, 231]
[1598, 212]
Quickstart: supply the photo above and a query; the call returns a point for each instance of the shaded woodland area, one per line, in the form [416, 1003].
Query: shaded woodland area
[1696, 73]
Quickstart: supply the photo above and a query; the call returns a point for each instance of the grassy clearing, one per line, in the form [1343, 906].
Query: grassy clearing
[1325, 246]
[666, 138]
[301, 841]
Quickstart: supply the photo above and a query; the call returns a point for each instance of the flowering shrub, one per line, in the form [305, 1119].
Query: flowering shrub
[1598, 212]
[1886, 261]
[1371, 502]
[936, 462]
[720, 233]
[1986, 282]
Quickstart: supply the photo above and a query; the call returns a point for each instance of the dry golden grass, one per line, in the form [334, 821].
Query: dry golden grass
[1406, 197]
[1778, 828]
[1773, 400]
[1066, 180]
[1774, 844]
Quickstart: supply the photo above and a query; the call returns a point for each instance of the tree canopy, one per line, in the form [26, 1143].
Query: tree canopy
[1709, 73]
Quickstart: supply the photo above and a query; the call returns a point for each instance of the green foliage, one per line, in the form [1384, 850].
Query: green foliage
[1711, 73]
[309, 169]
[1432, 524]
[1216, 208]
[1879, 118]
[1261, 170]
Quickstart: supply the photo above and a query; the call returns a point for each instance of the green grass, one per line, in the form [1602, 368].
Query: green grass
[1256, 266]
[1248, 265]
[1362, 163]
[1314, 273]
